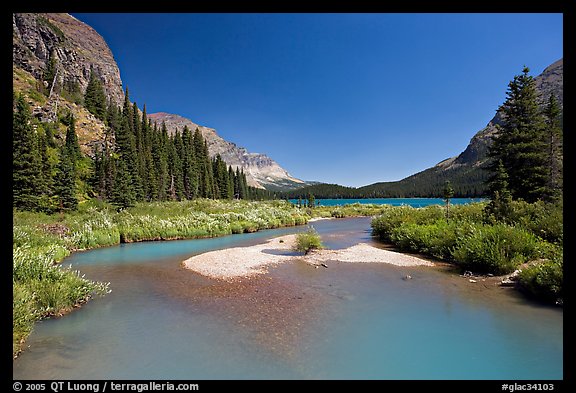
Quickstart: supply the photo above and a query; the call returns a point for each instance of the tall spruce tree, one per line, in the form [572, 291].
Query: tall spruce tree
[26, 165]
[50, 71]
[66, 181]
[95, 98]
[160, 153]
[553, 140]
[500, 206]
[71, 141]
[189, 164]
[519, 143]
[176, 179]
[123, 195]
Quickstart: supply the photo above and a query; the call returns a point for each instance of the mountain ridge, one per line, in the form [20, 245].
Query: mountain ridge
[261, 171]
[465, 170]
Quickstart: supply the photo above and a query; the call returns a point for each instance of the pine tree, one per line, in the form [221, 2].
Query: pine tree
[71, 141]
[244, 189]
[500, 198]
[50, 71]
[230, 182]
[26, 165]
[447, 194]
[123, 191]
[95, 98]
[518, 143]
[189, 164]
[66, 181]
[175, 177]
[160, 149]
[553, 140]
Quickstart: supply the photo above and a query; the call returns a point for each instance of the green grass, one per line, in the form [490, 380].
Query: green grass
[471, 239]
[41, 288]
[308, 241]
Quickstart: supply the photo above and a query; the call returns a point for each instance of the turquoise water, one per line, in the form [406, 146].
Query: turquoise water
[347, 321]
[414, 202]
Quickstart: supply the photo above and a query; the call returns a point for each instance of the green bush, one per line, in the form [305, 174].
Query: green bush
[308, 241]
[544, 280]
[497, 249]
[437, 239]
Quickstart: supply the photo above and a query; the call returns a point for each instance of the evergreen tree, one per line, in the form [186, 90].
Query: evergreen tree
[175, 177]
[518, 143]
[500, 206]
[448, 193]
[230, 182]
[553, 140]
[244, 189]
[95, 98]
[311, 200]
[189, 165]
[210, 187]
[71, 142]
[160, 149]
[123, 191]
[237, 189]
[50, 71]
[66, 181]
[26, 165]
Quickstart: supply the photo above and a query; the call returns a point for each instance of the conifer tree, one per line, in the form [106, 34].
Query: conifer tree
[554, 157]
[500, 198]
[26, 165]
[189, 164]
[175, 177]
[50, 71]
[66, 181]
[123, 191]
[230, 182]
[160, 158]
[518, 143]
[71, 141]
[95, 98]
[448, 193]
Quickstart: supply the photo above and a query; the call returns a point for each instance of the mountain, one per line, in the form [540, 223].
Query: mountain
[76, 49]
[464, 171]
[261, 171]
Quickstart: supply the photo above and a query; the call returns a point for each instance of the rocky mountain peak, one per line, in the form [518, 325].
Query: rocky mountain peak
[77, 48]
[261, 171]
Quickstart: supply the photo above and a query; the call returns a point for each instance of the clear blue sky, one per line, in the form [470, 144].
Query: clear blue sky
[351, 99]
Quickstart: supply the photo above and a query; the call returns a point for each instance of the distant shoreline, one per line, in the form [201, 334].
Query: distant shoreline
[235, 263]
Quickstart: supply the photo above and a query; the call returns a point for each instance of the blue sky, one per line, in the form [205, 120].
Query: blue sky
[340, 98]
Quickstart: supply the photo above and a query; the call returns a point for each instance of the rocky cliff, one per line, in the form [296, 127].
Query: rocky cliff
[261, 171]
[76, 47]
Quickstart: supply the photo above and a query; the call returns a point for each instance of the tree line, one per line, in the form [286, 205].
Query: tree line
[137, 161]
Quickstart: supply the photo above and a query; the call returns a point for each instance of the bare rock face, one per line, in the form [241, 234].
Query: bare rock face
[261, 171]
[77, 47]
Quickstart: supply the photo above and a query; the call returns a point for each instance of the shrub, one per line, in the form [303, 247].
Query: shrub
[383, 225]
[437, 239]
[308, 241]
[497, 249]
[545, 279]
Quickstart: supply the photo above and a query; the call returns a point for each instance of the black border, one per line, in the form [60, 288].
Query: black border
[357, 6]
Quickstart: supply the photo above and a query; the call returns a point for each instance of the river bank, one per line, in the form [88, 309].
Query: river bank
[347, 321]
